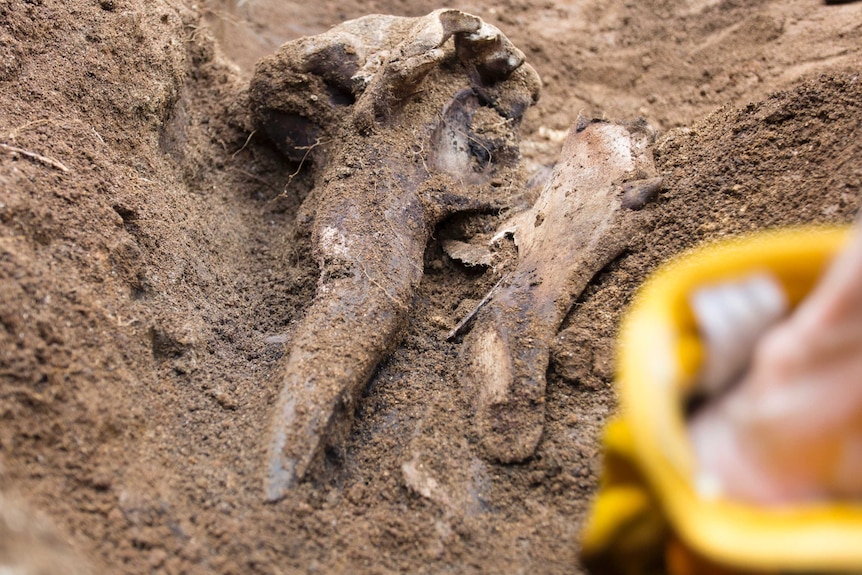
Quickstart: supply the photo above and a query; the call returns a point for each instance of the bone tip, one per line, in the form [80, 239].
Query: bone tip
[514, 445]
[280, 479]
[507, 450]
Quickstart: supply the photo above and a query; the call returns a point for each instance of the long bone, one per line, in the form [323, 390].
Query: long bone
[581, 221]
[398, 160]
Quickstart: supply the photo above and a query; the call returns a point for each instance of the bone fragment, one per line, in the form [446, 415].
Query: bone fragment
[577, 226]
[469, 254]
[458, 492]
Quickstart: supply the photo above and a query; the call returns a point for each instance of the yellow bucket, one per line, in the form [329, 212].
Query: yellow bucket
[647, 516]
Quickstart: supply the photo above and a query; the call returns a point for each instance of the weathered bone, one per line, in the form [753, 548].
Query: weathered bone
[581, 221]
[391, 162]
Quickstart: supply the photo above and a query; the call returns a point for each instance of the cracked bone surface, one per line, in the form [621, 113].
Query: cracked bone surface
[405, 121]
[582, 220]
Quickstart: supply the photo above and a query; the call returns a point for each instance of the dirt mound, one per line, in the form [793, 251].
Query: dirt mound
[153, 261]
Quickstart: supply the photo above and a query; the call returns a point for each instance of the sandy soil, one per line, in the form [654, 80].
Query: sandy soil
[152, 266]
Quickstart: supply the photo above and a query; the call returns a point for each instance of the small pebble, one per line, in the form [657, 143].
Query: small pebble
[639, 193]
[101, 480]
[225, 401]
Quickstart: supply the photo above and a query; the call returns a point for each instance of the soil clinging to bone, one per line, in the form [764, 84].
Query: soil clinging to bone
[154, 261]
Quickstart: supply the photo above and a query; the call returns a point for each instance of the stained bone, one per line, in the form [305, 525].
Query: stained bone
[371, 104]
[576, 227]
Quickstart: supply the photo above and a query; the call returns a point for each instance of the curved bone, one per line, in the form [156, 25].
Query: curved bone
[391, 170]
[575, 228]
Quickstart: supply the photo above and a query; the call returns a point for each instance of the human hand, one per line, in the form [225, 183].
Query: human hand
[791, 428]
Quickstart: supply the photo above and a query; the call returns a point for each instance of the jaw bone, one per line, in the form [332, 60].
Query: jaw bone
[387, 109]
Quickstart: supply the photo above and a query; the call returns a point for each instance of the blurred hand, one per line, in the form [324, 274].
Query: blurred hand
[791, 428]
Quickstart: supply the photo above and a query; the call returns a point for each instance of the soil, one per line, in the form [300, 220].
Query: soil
[154, 260]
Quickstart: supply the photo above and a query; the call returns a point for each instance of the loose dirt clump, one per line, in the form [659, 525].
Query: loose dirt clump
[154, 261]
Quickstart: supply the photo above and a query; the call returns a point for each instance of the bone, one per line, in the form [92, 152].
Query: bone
[469, 254]
[577, 226]
[380, 112]
[458, 492]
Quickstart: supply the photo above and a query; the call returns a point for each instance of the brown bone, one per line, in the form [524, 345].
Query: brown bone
[392, 161]
[578, 225]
